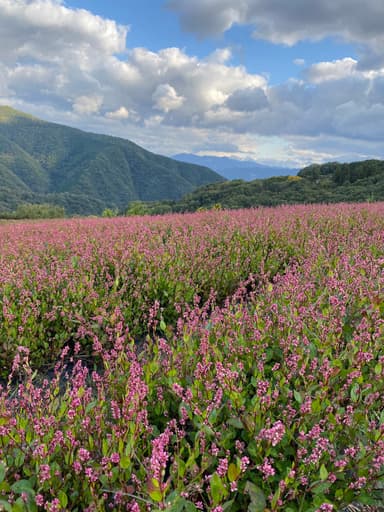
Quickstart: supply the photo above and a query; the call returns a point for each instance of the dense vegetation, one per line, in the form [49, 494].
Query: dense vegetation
[43, 162]
[219, 361]
[328, 183]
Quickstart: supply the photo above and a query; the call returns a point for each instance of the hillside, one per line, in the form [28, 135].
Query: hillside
[328, 183]
[84, 172]
[233, 169]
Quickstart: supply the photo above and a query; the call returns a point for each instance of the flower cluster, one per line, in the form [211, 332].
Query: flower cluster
[214, 361]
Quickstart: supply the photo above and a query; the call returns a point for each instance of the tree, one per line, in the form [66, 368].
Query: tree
[137, 208]
[39, 211]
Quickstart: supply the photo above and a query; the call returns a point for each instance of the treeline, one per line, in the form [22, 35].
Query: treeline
[328, 183]
[35, 211]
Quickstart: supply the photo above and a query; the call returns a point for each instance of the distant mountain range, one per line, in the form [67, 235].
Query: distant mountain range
[233, 169]
[43, 162]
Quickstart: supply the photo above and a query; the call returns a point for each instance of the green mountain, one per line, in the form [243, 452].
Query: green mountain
[327, 183]
[43, 162]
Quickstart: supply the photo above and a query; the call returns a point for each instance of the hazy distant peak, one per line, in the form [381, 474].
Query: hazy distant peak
[232, 168]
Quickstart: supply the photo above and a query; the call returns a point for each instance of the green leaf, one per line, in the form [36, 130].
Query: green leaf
[316, 406]
[180, 505]
[176, 506]
[378, 369]
[321, 488]
[156, 495]
[63, 498]
[163, 325]
[298, 397]
[257, 497]
[4, 505]
[217, 488]
[323, 472]
[181, 467]
[18, 505]
[104, 447]
[19, 459]
[227, 505]
[154, 490]
[3, 471]
[189, 506]
[23, 486]
[253, 449]
[125, 462]
[355, 393]
[235, 422]
[233, 472]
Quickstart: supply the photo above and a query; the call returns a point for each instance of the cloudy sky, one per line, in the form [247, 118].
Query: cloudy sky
[288, 82]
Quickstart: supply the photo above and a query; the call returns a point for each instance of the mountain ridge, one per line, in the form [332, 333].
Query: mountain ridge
[232, 169]
[41, 160]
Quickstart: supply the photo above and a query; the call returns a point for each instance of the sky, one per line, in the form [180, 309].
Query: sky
[281, 82]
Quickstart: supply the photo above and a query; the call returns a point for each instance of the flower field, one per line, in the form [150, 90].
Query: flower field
[219, 361]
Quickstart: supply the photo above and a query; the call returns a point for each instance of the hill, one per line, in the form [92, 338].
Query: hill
[233, 169]
[84, 172]
[328, 183]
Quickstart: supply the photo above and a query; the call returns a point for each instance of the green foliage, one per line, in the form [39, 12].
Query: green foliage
[110, 212]
[257, 385]
[51, 163]
[328, 183]
[137, 208]
[38, 211]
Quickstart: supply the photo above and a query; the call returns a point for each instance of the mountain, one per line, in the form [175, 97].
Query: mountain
[233, 169]
[84, 172]
[328, 183]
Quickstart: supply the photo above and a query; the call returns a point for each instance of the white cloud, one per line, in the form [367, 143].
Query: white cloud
[335, 70]
[66, 65]
[220, 56]
[120, 113]
[299, 62]
[87, 104]
[165, 98]
[46, 29]
[287, 22]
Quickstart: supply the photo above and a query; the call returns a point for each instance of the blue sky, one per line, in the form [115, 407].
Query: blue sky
[280, 82]
[154, 26]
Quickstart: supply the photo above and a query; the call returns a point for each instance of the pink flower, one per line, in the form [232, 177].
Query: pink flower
[274, 434]
[244, 463]
[44, 473]
[77, 467]
[39, 499]
[115, 458]
[84, 455]
[325, 507]
[266, 468]
[222, 467]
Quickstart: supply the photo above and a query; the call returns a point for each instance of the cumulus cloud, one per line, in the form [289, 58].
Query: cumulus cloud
[87, 104]
[289, 22]
[46, 29]
[165, 98]
[76, 65]
[335, 70]
[285, 22]
[120, 113]
[247, 100]
[71, 58]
